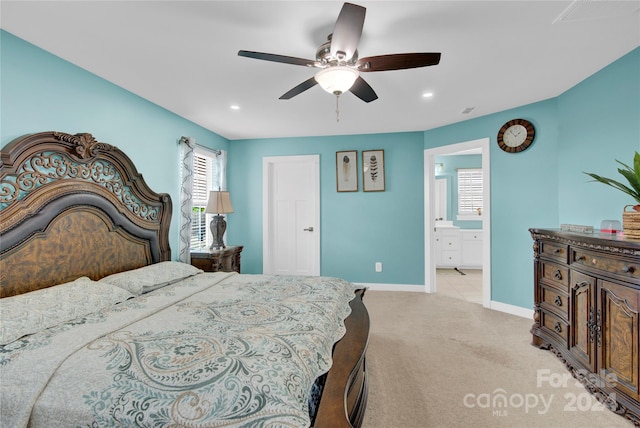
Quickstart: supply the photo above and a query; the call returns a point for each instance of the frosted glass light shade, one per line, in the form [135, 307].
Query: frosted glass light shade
[337, 79]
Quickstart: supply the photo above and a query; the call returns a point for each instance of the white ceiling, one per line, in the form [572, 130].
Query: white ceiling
[182, 55]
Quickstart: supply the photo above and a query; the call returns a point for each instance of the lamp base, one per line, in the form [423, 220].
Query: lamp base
[218, 226]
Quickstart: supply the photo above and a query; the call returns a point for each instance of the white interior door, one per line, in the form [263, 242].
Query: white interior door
[291, 207]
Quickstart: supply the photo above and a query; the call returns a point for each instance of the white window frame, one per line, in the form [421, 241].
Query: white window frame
[214, 179]
[470, 190]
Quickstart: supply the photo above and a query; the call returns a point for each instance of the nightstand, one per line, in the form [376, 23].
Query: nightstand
[220, 260]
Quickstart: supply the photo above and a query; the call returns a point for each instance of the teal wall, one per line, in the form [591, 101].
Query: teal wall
[584, 129]
[600, 123]
[41, 92]
[523, 193]
[357, 228]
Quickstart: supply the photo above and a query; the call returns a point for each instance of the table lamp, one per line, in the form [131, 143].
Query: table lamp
[219, 203]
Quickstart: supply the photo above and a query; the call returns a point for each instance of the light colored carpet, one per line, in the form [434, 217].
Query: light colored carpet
[437, 361]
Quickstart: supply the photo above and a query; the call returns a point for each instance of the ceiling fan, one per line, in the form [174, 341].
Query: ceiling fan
[338, 60]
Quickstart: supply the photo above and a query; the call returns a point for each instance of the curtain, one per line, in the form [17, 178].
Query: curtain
[187, 145]
[219, 170]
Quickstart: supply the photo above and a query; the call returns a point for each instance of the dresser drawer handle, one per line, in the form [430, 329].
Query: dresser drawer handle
[558, 327]
[580, 284]
[557, 251]
[581, 258]
[558, 275]
[628, 269]
[558, 301]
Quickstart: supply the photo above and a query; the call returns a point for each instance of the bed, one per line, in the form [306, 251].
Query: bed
[101, 328]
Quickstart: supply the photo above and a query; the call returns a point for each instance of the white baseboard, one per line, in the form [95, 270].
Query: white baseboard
[511, 309]
[496, 306]
[391, 287]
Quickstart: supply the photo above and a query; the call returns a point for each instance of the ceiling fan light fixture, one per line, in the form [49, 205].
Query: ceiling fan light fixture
[337, 79]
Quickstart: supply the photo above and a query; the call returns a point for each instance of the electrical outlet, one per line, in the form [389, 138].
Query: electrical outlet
[378, 266]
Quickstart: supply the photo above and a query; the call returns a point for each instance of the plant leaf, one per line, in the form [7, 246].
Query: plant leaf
[615, 184]
[631, 178]
[631, 174]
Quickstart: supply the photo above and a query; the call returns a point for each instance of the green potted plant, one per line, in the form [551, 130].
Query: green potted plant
[631, 219]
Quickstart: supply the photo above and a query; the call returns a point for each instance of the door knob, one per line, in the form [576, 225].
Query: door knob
[309, 229]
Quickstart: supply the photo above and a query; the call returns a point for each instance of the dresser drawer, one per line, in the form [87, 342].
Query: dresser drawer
[220, 260]
[555, 275]
[554, 325]
[450, 242]
[554, 250]
[604, 263]
[451, 258]
[206, 264]
[555, 301]
[472, 235]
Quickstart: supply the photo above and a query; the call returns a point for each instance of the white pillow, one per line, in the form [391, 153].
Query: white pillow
[151, 277]
[38, 310]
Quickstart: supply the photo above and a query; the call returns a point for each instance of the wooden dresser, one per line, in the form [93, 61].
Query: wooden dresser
[587, 311]
[221, 260]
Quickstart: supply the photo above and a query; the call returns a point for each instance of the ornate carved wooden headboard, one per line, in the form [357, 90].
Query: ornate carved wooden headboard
[71, 206]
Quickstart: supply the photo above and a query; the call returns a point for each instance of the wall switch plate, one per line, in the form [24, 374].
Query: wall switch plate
[378, 266]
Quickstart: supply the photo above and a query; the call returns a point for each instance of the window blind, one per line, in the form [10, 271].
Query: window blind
[469, 191]
[208, 174]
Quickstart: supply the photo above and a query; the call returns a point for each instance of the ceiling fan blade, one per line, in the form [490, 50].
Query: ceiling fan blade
[398, 61]
[307, 84]
[347, 31]
[278, 58]
[362, 90]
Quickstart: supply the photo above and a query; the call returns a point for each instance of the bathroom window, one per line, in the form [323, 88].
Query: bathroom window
[470, 194]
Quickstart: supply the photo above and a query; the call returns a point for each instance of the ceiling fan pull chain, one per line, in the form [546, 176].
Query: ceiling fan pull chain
[337, 108]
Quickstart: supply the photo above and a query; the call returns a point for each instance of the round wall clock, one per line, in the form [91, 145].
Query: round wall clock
[516, 135]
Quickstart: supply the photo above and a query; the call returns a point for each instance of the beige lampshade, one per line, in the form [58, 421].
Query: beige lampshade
[219, 203]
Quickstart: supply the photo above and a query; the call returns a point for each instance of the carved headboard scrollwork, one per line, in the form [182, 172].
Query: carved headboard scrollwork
[72, 206]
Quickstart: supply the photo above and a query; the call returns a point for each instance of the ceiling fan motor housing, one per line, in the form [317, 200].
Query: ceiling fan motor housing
[324, 57]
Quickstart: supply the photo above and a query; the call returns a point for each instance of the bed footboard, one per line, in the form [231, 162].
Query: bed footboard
[344, 398]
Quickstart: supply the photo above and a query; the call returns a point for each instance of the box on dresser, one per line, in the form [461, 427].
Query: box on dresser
[587, 311]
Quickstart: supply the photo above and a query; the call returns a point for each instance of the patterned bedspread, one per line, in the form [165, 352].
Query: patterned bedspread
[215, 349]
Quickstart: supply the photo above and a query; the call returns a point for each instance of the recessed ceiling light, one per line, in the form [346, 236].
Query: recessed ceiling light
[427, 95]
[235, 107]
